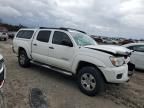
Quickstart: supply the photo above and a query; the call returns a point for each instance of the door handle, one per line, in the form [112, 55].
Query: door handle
[35, 44]
[51, 47]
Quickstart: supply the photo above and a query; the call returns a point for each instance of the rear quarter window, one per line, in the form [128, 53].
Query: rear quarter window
[26, 34]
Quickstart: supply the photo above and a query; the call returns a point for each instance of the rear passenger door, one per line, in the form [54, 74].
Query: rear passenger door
[40, 46]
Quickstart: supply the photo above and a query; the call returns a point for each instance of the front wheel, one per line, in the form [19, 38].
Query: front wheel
[90, 81]
[23, 59]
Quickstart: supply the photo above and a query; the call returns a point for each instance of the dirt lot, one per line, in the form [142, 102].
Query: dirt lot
[61, 91]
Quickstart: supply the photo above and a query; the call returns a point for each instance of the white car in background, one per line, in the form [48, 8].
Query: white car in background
[137, 56]
[3, 36]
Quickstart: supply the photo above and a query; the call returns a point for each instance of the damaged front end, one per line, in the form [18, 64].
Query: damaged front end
[119, 55]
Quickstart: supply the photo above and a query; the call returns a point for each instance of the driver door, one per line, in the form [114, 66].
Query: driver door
[61, 55]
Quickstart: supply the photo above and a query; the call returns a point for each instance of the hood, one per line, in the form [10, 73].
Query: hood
[111, 49]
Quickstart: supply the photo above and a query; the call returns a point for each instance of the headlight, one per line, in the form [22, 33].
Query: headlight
[117, 61]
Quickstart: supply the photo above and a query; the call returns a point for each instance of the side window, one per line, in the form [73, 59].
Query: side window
[139, 48]
[43, 36]
[59, 37]
[27, 34]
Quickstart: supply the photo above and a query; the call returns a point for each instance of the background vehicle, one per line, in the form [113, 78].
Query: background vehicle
[110, 41]
[73, 52]
[3, 36]
[126, 41]
[137, 56]
[107, 41]
[97, 39]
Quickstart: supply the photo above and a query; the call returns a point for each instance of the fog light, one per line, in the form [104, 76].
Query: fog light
[119, 76]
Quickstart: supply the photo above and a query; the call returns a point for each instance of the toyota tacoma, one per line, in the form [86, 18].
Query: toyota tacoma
[73, 52]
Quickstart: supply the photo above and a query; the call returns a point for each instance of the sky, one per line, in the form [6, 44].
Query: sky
[116, 18]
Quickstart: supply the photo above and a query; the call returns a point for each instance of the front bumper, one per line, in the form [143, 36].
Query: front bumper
[116, 74]
[3, 37]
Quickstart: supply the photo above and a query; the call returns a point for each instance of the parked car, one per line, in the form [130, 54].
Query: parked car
[2, 71]
[110, 41]
[107, 41]
[3, 36]
[127, 41]
[99, 40]
[137, 56]
[73, 52]
[115, 42]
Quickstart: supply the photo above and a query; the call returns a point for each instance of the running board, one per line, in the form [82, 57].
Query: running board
[52, 68]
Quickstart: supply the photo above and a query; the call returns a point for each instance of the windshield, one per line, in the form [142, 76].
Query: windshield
[82, 39]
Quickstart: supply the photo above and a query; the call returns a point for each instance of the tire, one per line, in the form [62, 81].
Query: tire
[23, 59]
[5, 39]
[94, 83]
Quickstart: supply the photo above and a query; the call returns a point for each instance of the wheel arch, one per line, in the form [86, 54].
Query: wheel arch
[24, 49]
[82, 64]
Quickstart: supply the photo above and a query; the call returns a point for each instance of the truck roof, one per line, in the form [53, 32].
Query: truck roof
[61, 28]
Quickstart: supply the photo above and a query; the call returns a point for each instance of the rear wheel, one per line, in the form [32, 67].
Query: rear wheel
[90, 81]
[23, 59]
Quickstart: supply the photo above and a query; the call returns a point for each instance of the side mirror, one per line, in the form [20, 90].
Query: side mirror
[66, 43]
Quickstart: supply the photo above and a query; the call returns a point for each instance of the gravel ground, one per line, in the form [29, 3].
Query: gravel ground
[61, 91]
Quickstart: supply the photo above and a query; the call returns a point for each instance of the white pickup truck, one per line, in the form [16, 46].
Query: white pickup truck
[73, 52]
